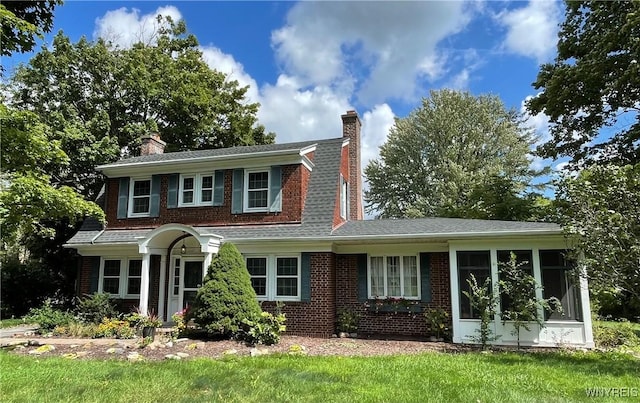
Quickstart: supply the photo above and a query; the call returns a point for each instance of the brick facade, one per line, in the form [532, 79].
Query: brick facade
[317, 317]
[295, 179]
[351, 129]
[389, 323]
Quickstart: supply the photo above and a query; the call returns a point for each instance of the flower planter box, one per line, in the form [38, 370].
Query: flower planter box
[394, 308]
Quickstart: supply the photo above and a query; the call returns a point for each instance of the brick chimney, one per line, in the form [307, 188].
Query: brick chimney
[151, 144]
[351, 128]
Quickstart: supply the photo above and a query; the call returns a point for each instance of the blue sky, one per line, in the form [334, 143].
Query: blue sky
[309, 62]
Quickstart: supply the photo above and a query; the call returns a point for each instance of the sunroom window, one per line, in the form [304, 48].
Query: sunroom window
[559, 280]
[478, 264]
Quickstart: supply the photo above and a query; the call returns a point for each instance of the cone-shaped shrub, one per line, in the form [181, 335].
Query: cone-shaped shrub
[226, 298]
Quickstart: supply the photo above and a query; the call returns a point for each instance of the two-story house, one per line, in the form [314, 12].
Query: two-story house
[295, 212]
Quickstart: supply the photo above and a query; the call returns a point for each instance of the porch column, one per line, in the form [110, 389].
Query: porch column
[144, 284]
[207, 262]
[161, 297]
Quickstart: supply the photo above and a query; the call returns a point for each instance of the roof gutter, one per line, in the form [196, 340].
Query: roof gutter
[296, 151]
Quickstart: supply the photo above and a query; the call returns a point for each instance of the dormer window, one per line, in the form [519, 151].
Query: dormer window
[140, 197]
[256, 190]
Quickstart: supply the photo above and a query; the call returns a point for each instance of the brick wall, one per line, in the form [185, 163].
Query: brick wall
[351, 126]
[294, 183]
[388, 323]
[317, 317]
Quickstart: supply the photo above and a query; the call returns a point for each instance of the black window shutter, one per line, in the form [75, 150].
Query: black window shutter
[425, 276]
[305, 266]
[236, 194]
[154, 201]
[123, 198]
[218, 187]
[363, 289]
[172, 191]
[94, 274]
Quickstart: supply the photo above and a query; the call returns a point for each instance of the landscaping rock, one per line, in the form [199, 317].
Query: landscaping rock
[232, 351]
[255, 352]
[42, 349]
[115, 350]
[182, 355]
[172, 357]
[135, 356]
[297, 349]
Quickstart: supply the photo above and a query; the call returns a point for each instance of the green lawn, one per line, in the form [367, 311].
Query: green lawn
[469, 377]
[4, 323]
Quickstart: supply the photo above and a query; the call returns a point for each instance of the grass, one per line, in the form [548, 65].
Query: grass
[5, 323]
[616, 324]
[494, 377]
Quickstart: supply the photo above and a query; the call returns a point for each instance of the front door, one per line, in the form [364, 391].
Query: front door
[192, 275]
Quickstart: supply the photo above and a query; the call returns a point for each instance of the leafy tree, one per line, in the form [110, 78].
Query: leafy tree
[28, 199]
[448, 158]
[594, 83]
[226, 298]
[519, 287]
[22, 21]
[484, 301]
[600, 213]
[99, 99]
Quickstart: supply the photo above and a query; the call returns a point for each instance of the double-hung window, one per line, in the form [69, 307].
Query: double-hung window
[275, 278]
[478, 264]
[140, 201]
[205, 183]
[121, 277]
[187, 191]
[111, 277]
[134, 277]
[256, 190]
[196, 190]
[558, 280]
[257, 267]
[394, 276]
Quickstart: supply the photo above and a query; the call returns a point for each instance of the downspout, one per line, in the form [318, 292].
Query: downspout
[93, 240]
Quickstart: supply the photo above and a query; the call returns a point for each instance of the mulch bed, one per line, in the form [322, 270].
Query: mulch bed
[194, 348]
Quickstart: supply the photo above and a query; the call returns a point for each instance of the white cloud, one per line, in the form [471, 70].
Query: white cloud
[227, 64]
[539, 123]
[124, 28]
[380, 48]
[297, 114]
[375, 129]
[532, 30]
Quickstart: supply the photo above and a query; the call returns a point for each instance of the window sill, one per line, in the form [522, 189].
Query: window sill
[260, 210]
